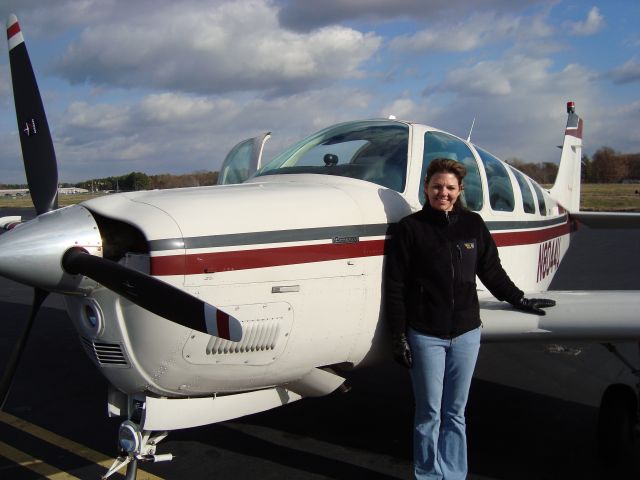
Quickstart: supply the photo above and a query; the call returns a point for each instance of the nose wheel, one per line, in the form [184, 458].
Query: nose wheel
[136, 446]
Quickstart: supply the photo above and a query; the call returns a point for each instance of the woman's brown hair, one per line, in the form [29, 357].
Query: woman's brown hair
[445, 165]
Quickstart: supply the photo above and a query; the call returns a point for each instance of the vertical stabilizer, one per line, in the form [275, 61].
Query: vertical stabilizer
[566, 189]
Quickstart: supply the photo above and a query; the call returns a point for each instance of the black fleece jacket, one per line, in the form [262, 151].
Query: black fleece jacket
[430, 274]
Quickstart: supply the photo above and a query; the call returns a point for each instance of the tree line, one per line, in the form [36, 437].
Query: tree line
[142, 181]
[606, 166]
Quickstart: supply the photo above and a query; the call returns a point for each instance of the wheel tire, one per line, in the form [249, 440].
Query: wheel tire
[617, 419]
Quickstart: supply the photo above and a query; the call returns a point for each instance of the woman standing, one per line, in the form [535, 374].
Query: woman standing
[433, 311]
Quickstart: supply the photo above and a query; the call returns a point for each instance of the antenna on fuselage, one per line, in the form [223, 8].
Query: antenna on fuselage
[471, 129]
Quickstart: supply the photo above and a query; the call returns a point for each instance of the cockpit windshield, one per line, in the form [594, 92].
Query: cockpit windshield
[375, 151]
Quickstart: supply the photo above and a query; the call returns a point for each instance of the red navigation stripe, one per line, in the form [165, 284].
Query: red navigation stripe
[508, 239]
[13, 30]
[222, 322]
[200, 263]
[194, 264]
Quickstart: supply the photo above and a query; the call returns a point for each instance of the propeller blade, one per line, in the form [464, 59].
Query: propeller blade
[154, 295]
[35, 138]
[39, 297]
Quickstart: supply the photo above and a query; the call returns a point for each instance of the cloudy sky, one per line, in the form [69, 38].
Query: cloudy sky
[169, 87]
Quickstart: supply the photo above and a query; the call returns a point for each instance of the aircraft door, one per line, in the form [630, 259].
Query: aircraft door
[243, 160]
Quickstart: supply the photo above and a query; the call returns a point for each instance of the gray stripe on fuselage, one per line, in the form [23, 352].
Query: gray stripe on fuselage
[321, 233]
[276, 236]
[531, 224]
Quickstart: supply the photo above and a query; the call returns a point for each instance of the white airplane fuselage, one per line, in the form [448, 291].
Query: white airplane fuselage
[297, 258]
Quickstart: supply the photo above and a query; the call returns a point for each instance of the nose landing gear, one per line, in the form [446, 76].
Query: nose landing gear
[136, 445]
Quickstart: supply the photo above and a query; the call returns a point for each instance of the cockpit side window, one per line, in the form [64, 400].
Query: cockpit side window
[528, 203]
[441, 145]
[501, 195]
[375, 151]
[542, 206]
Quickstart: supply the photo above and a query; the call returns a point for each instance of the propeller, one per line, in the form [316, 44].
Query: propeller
[154, 295]
[40, 167]
[35, 138]
[41, 170]
[39, 297]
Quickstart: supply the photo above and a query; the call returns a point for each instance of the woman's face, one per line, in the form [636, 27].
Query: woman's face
[443, 191]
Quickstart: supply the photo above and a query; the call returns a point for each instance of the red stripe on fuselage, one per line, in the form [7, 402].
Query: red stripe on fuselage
[528, 237]
[13, 30]
[202, 263]
[199, 263]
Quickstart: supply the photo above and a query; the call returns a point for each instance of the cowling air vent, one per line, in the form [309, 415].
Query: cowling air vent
[106, 354]
[259, 336]
[265, 327]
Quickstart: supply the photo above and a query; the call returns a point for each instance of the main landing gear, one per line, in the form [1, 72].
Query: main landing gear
[618, 426]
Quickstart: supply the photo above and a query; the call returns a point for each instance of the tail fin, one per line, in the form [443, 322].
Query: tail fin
[566, 189]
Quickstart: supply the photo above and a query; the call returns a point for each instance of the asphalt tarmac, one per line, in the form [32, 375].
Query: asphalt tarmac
[532, 411]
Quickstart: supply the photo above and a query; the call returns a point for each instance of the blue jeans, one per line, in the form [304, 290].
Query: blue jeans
[441, 377]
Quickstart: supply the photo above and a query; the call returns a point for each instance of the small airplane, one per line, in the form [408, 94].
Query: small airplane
[201, 305]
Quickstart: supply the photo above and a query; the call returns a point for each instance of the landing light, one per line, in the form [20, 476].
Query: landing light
[92, 317]
[129, 437]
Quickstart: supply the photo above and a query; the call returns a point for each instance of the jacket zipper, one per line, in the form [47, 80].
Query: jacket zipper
[453, 281]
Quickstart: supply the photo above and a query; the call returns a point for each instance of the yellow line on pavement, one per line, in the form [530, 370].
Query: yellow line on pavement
[33, 464]
[67, 444]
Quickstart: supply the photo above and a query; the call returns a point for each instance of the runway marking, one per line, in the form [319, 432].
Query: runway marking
[66, 444]
[33, 464]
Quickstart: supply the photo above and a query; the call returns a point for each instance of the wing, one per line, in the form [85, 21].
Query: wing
[605, 315]
[607, 219]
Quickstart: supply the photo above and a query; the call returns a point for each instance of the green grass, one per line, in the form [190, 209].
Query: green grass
[63, 200]
[609, 197]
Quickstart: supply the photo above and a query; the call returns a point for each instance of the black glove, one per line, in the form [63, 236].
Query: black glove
[534, 305]
[402, 350]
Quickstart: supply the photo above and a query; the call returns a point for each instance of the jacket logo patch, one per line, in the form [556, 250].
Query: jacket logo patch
[469, 245]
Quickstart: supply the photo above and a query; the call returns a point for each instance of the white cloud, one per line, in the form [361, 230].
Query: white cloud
[180, 133]
[629, 72]
[193, 78]
[506, 76]
[401, 108]
[224, 47]
[307, 15]
[592, 24]
[517, 113]
[474, 32]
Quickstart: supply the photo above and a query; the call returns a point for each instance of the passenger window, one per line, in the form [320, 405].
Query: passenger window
[441, 145]
[528, 203]
[542, 206]
[501, 195]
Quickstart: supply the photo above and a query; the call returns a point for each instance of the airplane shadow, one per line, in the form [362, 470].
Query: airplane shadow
[512, 433]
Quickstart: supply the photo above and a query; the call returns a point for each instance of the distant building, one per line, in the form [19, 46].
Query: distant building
[72, 190]
[19, 192]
